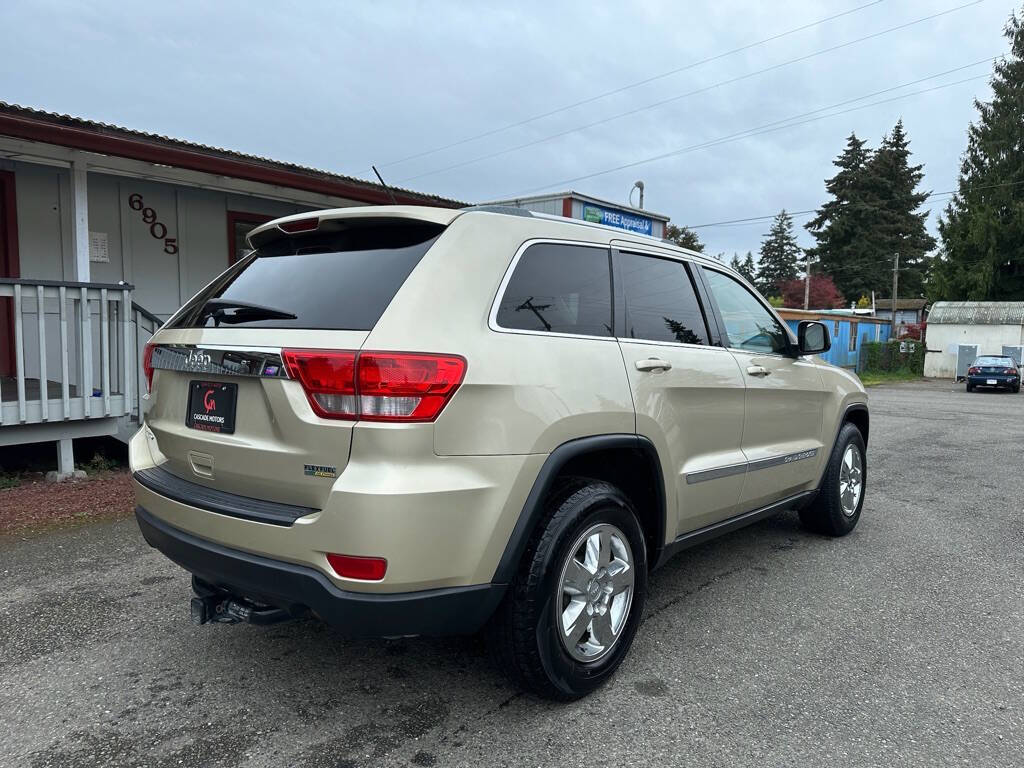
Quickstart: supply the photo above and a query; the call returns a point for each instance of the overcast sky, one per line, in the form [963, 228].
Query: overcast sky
[339, 86]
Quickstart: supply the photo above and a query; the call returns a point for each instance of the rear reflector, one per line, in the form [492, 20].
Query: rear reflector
[362, 568]
[376, 386]
[147, 365]
[299, 225]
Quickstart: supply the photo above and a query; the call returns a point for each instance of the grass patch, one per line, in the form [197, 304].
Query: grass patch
[874, 378]
[9, 480]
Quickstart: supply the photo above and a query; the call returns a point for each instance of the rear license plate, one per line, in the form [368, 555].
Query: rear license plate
[991, 381]
[211, 406]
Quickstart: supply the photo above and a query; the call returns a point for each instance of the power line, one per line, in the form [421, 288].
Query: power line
[629, 86]
[671, 99]
[777, 125]
[758, 219]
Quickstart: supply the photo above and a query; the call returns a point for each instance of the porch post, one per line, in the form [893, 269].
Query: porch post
[79, 220]
[65, 458]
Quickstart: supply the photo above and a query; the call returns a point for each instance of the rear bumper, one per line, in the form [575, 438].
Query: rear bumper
[297, 588]
[1002, 380]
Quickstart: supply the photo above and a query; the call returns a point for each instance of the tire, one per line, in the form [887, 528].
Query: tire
[1016, 390]
[826, 514]
[970, 388]
[524, 634]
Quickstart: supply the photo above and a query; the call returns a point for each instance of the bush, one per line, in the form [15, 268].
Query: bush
[881, 356]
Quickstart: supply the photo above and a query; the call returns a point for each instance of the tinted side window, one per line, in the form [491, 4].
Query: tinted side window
[749, 325]
[660, 301]
[559, 289]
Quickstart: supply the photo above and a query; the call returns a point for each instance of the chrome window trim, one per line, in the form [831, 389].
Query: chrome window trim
[492, 317]
[649, 342]
[729, 470]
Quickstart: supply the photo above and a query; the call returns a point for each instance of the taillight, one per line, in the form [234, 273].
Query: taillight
[362, 568]
[406, 387]
[147, 365]
[1011, 371]
[329, 379]
[376, 386]
[972, 370]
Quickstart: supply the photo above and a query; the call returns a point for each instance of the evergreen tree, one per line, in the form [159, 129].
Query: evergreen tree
[843, 225]
[684, 237]
[749, 269]
[745, 267]
[982, 229]
[897, 227]
[780, 256]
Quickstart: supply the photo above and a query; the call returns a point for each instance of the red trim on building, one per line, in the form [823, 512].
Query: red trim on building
[110, 141]
[236, 216]
[567, 207]
[10, 266]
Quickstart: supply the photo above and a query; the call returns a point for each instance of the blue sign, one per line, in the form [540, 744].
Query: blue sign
[612, 218]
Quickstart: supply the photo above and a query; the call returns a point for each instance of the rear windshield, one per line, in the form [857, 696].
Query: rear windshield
[1005, 362]
[342, 280]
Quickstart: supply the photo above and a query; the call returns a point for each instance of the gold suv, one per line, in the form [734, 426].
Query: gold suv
[424, 421]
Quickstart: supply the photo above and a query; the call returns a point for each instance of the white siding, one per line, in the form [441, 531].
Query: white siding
[942, 339]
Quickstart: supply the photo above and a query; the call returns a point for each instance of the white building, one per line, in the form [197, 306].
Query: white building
[955, 327]
[104, 233]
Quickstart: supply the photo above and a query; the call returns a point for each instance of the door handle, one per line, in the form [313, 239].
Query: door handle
[758, 370]
[653, 364]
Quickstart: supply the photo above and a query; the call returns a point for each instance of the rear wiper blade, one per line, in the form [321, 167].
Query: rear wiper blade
[243, 312]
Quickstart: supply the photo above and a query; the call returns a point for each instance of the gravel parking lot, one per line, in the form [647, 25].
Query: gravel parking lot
[902, 644]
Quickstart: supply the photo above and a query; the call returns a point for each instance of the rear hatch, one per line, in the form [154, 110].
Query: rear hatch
[226, 409]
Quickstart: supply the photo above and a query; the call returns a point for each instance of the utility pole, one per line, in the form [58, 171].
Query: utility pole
[895, 282]
[807, 281]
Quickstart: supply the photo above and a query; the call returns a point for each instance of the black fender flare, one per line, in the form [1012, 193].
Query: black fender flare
[533, 509]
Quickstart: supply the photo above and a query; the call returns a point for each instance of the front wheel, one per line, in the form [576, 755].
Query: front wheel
[836, 509]
[575, 604]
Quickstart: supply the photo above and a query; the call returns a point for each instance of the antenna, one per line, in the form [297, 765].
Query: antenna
[384, 184]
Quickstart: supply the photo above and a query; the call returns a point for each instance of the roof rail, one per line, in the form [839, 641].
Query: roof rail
[508, 210]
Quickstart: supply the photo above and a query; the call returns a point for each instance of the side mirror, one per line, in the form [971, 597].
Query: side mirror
[812, 338]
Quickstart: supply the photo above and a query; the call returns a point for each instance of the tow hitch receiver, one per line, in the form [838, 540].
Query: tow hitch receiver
[212, 605]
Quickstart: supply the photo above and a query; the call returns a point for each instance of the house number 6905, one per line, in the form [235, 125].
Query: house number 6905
[156, 228]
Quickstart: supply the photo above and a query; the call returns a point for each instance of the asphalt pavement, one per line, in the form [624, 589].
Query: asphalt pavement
[901, 644]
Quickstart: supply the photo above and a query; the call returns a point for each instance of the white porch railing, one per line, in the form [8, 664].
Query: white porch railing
[74, 351]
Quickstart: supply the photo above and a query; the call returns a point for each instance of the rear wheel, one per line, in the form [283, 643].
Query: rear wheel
[575, 604]
[836, 509]
[970, 388]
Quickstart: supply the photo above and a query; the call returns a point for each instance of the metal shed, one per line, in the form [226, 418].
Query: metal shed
[988, 325]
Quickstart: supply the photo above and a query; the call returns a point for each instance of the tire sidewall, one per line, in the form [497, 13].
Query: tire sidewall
[849, 435]
[574, 678]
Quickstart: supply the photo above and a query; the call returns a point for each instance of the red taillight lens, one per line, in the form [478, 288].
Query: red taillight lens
[973, 371]
[1011, 371]
[376, 386]
[329, 379]
[406, 387]
[147, 365]
[362, 568]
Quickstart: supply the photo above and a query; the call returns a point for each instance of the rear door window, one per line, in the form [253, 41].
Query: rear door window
[341, 280]
[559, 288]
[659, 300]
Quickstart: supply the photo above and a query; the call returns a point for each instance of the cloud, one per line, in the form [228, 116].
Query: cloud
[343, 85]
